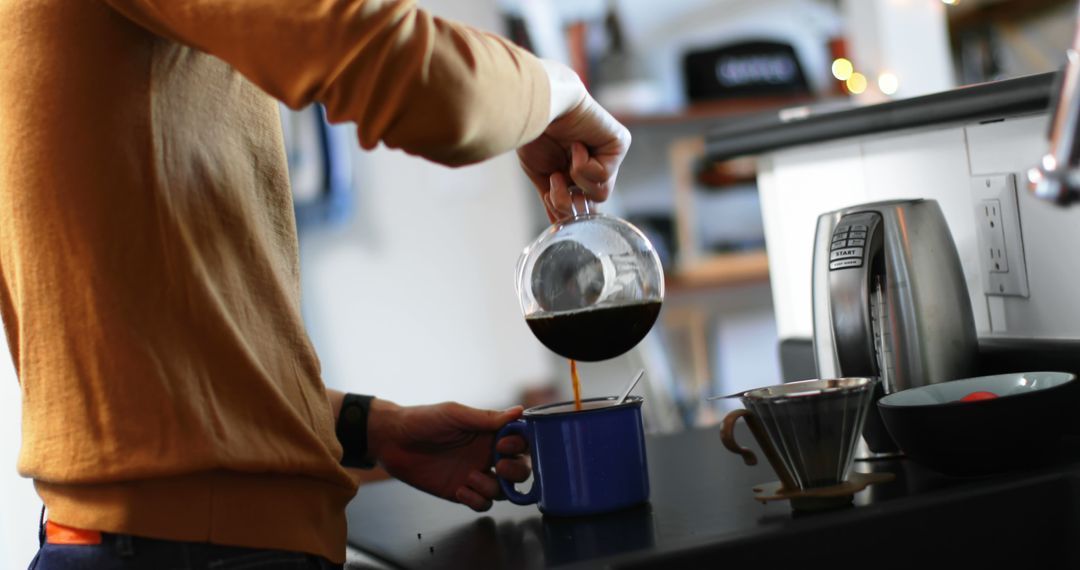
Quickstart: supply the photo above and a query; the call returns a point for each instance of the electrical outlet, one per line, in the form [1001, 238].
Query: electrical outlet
[1001, 244]
[996, 260]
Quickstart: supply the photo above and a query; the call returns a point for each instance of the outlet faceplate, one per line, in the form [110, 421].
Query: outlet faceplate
[1001, 244]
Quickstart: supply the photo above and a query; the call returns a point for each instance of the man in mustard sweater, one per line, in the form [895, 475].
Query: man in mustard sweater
[173, 411]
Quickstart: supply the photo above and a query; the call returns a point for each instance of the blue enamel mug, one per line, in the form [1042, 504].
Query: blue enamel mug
[584, 462]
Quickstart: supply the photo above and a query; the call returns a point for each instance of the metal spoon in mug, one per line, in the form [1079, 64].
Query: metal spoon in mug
[630, 388]
[728, 397]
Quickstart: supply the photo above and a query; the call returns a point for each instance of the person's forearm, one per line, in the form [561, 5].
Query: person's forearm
[429, 86]
[381, 421]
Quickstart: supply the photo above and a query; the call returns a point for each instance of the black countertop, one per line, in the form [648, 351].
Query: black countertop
[702, 514]
[987, 101]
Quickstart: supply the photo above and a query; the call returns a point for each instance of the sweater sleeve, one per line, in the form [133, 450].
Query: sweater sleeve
[429, 86]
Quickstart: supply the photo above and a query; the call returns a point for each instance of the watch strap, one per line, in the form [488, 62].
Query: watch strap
[352, 431]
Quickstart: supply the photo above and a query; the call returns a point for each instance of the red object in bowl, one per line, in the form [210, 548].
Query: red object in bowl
[976, 396]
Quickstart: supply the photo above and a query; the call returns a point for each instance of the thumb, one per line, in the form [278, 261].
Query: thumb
[488, 420]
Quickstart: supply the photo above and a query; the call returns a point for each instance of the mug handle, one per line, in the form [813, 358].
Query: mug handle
[516, 427]
[727, 436]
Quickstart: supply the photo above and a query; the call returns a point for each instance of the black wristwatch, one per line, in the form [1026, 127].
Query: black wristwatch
[352, 431]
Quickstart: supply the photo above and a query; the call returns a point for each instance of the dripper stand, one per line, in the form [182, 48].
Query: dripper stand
[820, 498]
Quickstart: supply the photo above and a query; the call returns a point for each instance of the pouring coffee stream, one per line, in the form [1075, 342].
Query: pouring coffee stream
[618, 401]
[577, 385]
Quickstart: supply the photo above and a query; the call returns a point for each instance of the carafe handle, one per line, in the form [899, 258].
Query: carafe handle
[576, 195]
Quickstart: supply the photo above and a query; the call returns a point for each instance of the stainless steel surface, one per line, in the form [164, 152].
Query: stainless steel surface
[780, 392]
[630, 387]
[567, 276]
[902, 314]
[1056, 178]
[814, 425]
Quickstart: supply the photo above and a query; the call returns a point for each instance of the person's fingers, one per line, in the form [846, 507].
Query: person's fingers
[539, 159]
[590, 173]
[472, 499]
[484, 484]
[598, 144]
[594, 191]
[544, 155]
[579, 155]
[560, 194]
[542, 183]
[508, 415]
[585, 167]
[515, 470]
[552, 213]
[512, 445]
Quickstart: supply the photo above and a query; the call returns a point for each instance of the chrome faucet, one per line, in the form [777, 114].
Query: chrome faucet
[1057, 177]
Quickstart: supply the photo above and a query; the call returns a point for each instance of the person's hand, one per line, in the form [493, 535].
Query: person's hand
[582, 146]
[445, 449]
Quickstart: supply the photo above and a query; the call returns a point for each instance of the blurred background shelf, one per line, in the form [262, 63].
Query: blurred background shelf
[715, 110]
[721, 270]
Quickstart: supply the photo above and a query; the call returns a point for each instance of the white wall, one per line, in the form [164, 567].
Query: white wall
[909, 39]
[800, 183]
[415, 302]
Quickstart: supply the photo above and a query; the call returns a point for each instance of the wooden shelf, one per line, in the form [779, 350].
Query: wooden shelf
[969, 15]
[722, 270]
[713, 110]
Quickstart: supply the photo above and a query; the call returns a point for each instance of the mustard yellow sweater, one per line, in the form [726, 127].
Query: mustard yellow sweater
[148, 260]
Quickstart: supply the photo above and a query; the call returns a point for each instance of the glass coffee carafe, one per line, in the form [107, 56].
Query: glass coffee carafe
[591, 285]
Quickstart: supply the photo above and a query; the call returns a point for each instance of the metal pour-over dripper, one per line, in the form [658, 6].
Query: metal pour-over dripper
[567, 276]
[814, 425]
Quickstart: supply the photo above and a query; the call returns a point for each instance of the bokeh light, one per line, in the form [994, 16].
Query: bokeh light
[842, 68]
[888, 83]
[856, 83]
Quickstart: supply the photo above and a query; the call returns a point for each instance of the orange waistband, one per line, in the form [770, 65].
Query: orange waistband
[56, 533]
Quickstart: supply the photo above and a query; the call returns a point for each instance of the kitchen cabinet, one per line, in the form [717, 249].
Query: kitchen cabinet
[695, 267]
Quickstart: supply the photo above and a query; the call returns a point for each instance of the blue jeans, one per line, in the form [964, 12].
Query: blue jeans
[124, 552]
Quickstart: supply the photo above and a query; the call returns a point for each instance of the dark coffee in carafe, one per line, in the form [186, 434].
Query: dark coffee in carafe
[595, 334]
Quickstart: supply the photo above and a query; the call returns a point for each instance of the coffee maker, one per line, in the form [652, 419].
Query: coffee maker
[890, 301]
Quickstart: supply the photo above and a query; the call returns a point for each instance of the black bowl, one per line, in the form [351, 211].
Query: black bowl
[1021, 427]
